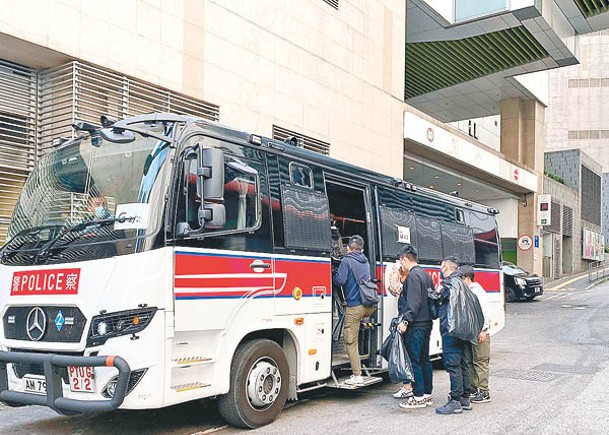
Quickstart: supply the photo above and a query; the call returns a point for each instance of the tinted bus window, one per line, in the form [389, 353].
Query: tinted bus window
[397, 227]
[306, 219]
[429, 239]
[485, 239]
[458, 241]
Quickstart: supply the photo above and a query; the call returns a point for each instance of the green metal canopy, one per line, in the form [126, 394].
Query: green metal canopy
[592, 7]
[431, 66]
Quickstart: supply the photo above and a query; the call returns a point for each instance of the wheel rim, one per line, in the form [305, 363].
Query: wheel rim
[264, 383]
[511, 296]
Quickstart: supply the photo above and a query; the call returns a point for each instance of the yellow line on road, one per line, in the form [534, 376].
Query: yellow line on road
[566, 283]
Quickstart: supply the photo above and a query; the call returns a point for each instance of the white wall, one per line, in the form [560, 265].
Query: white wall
[507, 219]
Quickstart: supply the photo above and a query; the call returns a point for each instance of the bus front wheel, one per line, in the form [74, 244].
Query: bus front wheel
[258, 385]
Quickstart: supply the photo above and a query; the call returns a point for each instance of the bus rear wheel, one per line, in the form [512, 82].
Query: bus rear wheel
[258, 385]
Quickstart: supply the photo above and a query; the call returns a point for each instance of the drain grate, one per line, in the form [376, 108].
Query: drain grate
[528, 375]
[572, 370]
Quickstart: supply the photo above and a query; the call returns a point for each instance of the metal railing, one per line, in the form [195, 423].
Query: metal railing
[597, 270]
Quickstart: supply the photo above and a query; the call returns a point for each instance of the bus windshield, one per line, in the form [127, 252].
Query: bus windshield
[90, 192]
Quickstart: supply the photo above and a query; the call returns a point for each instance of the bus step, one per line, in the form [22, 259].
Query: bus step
[191, 361]
[368, 380]
[188, 387]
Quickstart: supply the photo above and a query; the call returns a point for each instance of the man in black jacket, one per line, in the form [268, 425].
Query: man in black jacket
[416, 322]
[457, 353]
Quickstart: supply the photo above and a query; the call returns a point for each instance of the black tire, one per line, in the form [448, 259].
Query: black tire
[510, 295]
[248, 406]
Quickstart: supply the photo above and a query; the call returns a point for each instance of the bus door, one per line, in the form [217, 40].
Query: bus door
[350, 207]
[224, 271]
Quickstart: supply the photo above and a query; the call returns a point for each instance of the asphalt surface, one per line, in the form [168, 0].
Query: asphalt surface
[549, 375]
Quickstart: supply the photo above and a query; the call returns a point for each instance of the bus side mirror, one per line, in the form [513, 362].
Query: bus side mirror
[211, 173]
[212, 216]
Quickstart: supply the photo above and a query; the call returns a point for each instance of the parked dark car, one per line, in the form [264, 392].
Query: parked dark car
[519, 284]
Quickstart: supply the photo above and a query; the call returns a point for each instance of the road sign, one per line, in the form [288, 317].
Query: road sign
[544, 210]
[525, 243]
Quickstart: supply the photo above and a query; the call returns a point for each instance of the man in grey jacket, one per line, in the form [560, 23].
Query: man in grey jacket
[354, 264]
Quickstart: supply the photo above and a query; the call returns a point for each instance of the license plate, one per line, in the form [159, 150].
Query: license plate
[34, 384]
[81, 379]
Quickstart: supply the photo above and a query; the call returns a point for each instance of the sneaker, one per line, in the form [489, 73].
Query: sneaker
[403, 393]
[482, 397]
[473, 394]
[355, 380]
[466, 403]
[428, 399]
[414, 402]
[451, 407]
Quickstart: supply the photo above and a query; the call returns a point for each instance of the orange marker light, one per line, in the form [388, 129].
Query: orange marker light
[298, 321]
[136, 320]
[297, 293]
[312, 351]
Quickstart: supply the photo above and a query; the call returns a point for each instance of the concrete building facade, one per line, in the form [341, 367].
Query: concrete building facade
[373, 83]
[573, 237]
[577, 116]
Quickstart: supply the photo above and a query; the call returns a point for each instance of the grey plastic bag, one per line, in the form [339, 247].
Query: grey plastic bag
[465, 318]
[400, 367]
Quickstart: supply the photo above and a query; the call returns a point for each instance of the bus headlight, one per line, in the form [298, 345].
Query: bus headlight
[119, 323]
[102, 328]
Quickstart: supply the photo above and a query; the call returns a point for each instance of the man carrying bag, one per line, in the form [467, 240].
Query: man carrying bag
[354, 270]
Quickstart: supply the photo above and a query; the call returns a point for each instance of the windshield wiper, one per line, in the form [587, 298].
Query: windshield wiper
[92, 223]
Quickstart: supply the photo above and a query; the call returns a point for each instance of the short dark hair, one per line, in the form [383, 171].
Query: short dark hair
[453, 260]
[467, 271]
[409, 252]
[356, 242]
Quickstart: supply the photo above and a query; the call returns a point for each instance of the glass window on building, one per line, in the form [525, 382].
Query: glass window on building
[467, 9]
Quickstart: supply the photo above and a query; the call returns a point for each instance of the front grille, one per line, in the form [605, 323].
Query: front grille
[533, 281]
[70, 331]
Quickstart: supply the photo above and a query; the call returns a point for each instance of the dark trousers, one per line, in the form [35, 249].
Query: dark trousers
[416, 338]
[457, 361]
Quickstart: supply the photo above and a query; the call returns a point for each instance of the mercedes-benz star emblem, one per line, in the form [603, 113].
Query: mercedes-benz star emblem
[36, 324]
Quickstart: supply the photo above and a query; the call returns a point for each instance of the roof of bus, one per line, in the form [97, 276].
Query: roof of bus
[341, 166]
[274, 145]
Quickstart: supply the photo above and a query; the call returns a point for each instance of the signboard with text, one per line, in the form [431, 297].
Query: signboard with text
[544, 210]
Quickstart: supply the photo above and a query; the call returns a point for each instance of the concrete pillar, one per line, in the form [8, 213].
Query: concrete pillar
[522, 141]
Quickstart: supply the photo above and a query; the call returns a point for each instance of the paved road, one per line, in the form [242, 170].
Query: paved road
[549, 375]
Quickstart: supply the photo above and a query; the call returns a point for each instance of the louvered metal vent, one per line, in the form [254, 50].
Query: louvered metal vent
[554, 227]
[567, 221]
[306, 142]
[435, 65]
[333, 3]
[80, 92]
[17, 116]
[589, 8]
[17, 135]
[590, 196]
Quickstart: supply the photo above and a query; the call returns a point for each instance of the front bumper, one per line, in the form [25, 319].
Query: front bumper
[54, 397]
[531, 291]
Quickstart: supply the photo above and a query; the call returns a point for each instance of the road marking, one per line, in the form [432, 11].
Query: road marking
[567, 283]
[212, 430]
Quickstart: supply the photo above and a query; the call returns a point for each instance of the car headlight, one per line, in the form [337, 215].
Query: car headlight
[118, 323]
[521, 282]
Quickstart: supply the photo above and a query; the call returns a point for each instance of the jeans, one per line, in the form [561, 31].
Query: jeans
[457, 362]
[417, 345]
[482, 353]
[353, 317]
